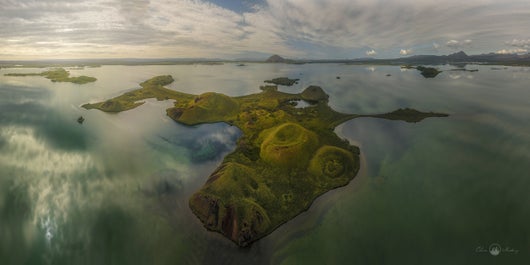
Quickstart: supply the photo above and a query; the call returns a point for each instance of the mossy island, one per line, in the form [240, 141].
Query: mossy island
[59, 75]
[285, 158]
[428, 72]
[464, 70]
[283, 81]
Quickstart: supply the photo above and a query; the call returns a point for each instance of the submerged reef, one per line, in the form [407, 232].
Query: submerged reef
[285, 158]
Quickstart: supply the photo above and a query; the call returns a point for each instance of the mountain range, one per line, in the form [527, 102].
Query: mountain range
[455, 58]
[462, 57]
[458, 58]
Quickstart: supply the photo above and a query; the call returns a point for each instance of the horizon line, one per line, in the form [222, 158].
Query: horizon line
[205, 59]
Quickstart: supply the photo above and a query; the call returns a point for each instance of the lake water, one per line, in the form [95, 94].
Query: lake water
[115, 189]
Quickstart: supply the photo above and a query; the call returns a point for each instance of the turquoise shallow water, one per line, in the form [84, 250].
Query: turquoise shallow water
[114, 190]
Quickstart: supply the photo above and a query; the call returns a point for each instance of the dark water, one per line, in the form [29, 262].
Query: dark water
[114, 190]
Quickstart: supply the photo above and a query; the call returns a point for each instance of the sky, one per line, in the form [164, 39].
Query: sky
[229, 29]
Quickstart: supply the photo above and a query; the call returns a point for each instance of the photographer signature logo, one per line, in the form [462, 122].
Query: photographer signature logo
[496, 249]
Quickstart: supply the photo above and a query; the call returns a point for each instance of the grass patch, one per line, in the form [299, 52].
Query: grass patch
[209, 107]
[288, 145]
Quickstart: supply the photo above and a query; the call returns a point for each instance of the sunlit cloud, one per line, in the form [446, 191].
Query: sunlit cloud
[512, 51]
[405, 51]
[455, 44]
[371, 52]
[519, 43]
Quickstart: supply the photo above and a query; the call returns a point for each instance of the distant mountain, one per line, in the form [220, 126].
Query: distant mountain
[434, 59]
[458, 56]
[495, 57]
[277, 59]
[458, 59]
[364, 59]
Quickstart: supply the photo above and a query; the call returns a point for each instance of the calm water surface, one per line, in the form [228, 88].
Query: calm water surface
[114, 190]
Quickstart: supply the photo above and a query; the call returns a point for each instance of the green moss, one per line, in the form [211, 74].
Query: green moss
[333, 166]
[162, 80]
[209, 107]
[314, 94]
[270, 104]
[285, 158]
[288, 145]
[230, 202]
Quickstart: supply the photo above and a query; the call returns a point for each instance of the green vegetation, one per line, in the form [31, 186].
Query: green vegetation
[283, 145]
[59, 75]
[284, 81]
[208, 107]
[314, 94]
[284, 160]
[333, 165]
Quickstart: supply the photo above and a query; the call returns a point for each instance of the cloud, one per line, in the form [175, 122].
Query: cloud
[140, 28]
[519, 43]
[355, 24]
[371, 52]
[405, 51]
[293, 28]
[53, 175]
[455, 44]
[435, 45]
[452, 43]
[455, 76]
[512, 51]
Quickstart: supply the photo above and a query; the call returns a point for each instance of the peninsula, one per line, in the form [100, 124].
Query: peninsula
[59, 75]
[285, 158]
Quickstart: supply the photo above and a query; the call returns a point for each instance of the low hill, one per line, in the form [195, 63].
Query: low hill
[277, 59]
